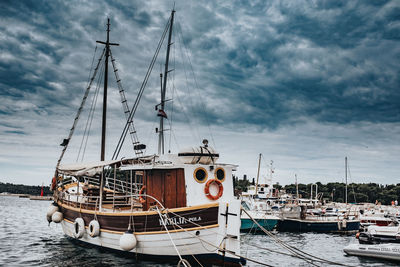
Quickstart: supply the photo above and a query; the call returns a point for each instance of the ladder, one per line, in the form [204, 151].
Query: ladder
[137, 147]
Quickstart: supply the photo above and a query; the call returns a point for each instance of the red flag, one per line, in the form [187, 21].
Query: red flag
[161, 113]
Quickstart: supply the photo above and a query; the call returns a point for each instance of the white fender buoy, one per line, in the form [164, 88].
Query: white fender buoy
[79, 227]
[94, 228]
[339, 224]
[127, 241]
[50, 211]
[57, 217]
[344, 223]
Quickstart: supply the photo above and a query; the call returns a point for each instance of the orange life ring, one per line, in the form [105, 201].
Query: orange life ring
[53, 183]
[220, 189]
[141, 199]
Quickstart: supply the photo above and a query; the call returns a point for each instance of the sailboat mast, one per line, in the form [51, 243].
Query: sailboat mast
[297, 188]
[345, 173]
[163, 89]
[104, 120]
[258, 171]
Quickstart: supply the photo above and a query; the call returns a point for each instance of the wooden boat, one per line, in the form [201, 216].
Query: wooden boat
[175, 207]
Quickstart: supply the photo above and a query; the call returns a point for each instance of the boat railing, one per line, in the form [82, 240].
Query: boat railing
[127, 202]
[120, 186]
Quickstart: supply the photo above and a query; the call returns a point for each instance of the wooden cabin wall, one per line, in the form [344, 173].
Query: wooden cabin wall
[168, 186]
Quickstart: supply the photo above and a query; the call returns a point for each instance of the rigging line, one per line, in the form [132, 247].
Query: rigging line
[280, 242]
[221, 249]
[291, 248]
[172, 96]
[187, 85]
[91, 119]
[352, 184]
[198, 88]
[171, 118]
[191, 128]
[150, 135]
[173, 225]
[90, 115]
[169, 235]
[125, 107]
[141, 90]
[279, 252]
[172, 133]
[71, 131]
[91, 65]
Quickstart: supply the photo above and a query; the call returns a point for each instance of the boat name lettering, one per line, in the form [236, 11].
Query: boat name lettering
[178, 220]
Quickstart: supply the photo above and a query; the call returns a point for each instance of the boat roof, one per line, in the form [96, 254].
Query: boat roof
[169, 161]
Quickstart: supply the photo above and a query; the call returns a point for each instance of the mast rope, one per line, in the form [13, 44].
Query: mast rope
[89, 120]
[71, 132]
[217, 247]
[352, 184]
[141, 90]
[295, 251]
[306, 256]
[202, 104]
[91, 65]
[169, 235]
[192, 128]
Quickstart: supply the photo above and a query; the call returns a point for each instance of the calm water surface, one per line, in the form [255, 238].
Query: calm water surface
[27, 240]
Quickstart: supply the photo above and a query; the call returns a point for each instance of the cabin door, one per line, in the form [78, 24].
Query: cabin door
[167, 186]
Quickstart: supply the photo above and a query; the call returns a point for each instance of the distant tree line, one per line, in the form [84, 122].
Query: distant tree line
[356, 193]
[24, 189]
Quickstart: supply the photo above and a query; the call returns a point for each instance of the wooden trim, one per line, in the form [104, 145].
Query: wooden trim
[155, 232]
[204, 206]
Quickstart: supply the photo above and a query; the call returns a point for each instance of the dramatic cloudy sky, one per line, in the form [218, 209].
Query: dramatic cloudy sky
[305, 83]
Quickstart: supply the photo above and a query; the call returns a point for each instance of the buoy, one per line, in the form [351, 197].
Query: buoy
[339, 224]
[128, 241]
[344, 223]
[79, 227]
[57, 217]
[51, 210]
[94, 228]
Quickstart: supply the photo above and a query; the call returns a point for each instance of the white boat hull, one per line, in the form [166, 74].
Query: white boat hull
[382, 251]
[156, 244]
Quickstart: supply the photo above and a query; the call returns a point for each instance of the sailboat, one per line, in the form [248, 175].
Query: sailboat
[257, 202]
[175, 207]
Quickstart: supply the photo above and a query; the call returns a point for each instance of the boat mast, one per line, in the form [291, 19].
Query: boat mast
[258, 171]
[297, 188]
[345, 174]
[104, 120]
[163, 90]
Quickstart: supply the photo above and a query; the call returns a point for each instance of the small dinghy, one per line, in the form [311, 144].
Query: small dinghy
[383, 251]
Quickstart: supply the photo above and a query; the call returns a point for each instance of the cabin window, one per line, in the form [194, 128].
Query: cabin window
[200, 175]
[220, 174]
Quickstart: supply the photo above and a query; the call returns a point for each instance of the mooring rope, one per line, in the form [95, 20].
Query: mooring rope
[294, 249]
[172, 241]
